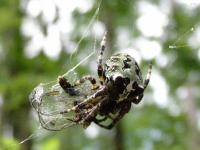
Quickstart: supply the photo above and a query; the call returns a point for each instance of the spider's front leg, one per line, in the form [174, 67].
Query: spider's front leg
[93, 98]
[67, 87]
[100, 68]
[89, 78]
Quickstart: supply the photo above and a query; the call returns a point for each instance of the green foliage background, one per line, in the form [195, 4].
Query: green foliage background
[148, 127]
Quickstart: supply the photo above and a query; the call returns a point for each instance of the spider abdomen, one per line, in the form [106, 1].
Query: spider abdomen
[123, 75]
[123, 65]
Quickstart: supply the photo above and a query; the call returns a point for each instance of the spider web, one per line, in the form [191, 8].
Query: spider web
[177, 44]
[189, 36]
[70, 75]
[50, 100]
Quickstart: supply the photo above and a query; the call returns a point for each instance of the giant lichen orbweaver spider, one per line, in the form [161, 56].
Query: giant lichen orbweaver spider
[120, 84]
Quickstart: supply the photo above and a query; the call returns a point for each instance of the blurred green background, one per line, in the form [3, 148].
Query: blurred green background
[38, 38]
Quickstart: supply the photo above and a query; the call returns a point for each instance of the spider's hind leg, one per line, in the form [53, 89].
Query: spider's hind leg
[100, 68]
[146, 81]
[123, 107]
[100, 120]
[112, 124]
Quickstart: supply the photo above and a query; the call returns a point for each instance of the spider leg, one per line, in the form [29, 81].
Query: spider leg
[146, 81]
[90, 117]
[92, 114]
[124, 108]
[112, 124]
[89, 78]
[91, 98]
[100, 120]
[67, 87]
[100, 68]
[100, 124]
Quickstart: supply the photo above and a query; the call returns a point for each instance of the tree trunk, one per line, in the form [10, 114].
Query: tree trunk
[118, 138]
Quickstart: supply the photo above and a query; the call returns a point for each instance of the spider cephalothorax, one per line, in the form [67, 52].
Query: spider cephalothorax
[120, 84]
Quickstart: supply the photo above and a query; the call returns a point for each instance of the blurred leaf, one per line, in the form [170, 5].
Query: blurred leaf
[51, 144]
[9, 144]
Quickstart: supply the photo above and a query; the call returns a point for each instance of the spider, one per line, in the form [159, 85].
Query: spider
[84, 101]
[120, 84]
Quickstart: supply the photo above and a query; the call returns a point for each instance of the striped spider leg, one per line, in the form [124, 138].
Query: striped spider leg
[100, 68]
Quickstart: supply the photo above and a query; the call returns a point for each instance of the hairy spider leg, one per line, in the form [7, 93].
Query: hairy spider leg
[90, 117]
[100, 69]
[93, 97]
[124, 108]
[146, 81]
[89, 78]
[93, 114]
[67, 87]
[85, 118]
